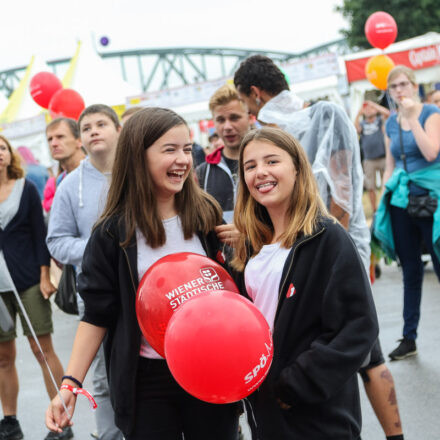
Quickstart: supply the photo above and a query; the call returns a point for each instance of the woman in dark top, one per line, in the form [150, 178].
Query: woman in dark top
[24, 270]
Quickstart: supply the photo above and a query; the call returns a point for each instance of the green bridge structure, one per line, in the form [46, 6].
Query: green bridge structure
[164, 68]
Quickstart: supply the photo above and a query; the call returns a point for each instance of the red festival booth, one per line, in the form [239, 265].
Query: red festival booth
[422, 54]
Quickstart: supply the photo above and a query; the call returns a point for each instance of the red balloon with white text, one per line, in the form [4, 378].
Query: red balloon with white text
[380, 29]
[43, 86]
[169, 283]
[219, 347]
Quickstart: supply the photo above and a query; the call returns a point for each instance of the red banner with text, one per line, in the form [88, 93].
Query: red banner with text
[418, 58]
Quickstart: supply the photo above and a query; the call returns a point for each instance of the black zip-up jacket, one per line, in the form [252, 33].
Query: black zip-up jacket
[215, 178]
[325, 326]
[23, 240]
[108, 285]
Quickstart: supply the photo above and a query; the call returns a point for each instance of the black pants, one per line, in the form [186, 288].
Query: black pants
[164, 411]
[409, 233]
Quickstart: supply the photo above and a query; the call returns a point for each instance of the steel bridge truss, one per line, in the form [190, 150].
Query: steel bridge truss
[164, 68]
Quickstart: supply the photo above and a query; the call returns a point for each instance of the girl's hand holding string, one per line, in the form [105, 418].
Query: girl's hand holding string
[56, 417]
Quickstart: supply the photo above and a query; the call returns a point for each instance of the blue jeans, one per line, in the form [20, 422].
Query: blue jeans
[104, 414]
[409, 234]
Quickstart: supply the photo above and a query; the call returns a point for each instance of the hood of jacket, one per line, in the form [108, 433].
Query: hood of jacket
[215, 157]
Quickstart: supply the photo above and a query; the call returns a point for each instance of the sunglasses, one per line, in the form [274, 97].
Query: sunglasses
[402, 85]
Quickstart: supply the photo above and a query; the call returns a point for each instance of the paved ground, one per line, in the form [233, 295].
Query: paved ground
[417, 379]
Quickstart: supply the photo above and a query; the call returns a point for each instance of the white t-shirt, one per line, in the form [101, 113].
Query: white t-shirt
[146, 256]
[8, 210]
[262, 277]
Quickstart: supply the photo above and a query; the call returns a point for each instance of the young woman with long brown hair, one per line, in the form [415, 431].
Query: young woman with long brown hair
[302, 270]
[154, 208]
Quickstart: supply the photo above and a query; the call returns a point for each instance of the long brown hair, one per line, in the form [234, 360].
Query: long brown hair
[15, 170]
[252, 219]
[132, 196]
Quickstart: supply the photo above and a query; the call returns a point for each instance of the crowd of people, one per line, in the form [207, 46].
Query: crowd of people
[279, 192]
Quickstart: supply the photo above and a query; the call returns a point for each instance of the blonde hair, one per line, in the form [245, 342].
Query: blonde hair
[224, 95]
[252, 219]
[400, 69]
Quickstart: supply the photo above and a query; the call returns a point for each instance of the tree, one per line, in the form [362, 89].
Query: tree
[412, 17]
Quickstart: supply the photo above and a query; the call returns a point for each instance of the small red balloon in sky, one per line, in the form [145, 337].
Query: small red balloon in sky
[66, 103]
[43, 86]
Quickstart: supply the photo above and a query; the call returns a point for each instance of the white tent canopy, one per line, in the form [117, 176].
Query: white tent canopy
[3, 102]
[23, 121]
[20, 104]
[95, 81]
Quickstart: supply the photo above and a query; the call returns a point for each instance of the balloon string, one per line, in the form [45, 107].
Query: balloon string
[34, 336]
[248, 410]
[391, 103]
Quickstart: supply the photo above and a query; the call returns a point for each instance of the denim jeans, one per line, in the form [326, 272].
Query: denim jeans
[409, 236]
[104, 414]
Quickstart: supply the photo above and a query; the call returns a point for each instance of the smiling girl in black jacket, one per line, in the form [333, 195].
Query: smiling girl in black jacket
[304, 273]
[154, 208]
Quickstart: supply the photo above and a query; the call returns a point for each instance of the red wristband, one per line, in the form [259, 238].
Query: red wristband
[76, 391]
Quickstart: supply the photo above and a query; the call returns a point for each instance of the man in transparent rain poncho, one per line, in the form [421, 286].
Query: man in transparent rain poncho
[330, 141]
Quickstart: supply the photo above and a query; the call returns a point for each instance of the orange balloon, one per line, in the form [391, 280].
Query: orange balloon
[377, 69]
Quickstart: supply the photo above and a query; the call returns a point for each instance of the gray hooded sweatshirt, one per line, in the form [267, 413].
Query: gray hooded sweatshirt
[78, 203]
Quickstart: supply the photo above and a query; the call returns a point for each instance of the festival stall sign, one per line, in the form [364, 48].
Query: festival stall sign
[416, 59]
[296, 72]
[311, 68]
[178, 96]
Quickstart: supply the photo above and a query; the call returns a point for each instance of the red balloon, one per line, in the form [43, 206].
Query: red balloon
[219, 347]
[380, 29]
[43, 86]
[168, 283]
[66, 103]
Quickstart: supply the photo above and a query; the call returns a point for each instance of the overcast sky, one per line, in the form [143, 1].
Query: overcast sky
[50, 28]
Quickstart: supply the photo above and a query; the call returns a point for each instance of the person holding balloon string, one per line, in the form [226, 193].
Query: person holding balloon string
[302, 270]
[154, 208]
[412, 173]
